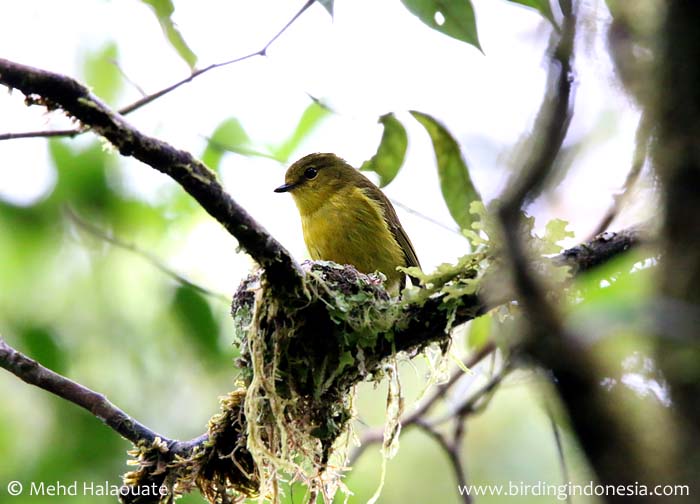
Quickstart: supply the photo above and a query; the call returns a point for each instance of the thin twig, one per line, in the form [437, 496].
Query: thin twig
[473, 404]
[427, 218]
[479, 399]
[41, 134]
[128, 79]
[131, 247]
[452, 448]
[154, 96]
[457, 439]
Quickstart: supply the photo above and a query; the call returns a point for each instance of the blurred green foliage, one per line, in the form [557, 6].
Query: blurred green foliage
[229, 136]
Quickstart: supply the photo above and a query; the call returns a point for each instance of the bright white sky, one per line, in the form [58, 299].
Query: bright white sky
[373, 58]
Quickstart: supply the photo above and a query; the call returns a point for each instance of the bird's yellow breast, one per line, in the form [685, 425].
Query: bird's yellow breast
[349, 228]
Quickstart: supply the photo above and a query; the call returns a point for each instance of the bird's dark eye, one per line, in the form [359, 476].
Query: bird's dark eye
[310, 173]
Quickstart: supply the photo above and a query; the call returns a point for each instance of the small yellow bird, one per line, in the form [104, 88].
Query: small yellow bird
[347, 219]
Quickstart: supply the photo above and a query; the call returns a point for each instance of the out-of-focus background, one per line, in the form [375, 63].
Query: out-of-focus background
[111, 320]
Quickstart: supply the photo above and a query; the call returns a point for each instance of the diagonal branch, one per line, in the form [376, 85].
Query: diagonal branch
[58, 91]
[154, 96]
[452, 449]
[35, 374]
[30, 371]
[427, 323]
[613, 449]
[261, 52]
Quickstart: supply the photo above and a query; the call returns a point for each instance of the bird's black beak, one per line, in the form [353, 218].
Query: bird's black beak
[286, 187]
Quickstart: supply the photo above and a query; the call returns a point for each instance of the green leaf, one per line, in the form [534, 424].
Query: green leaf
[310, 119]
[456, 184]
[101, 72]
[197, 319]
[391, 151]
[164, 10]
[44, 347]
[540, 5]
[328, 5]
[228, 136]
[454, 18]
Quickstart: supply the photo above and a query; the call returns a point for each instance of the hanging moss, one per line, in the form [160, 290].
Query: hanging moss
[221, 467]
[300, 361]
[302, 355]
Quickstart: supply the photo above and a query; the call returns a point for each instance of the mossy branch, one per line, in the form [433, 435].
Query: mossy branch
[221, 455]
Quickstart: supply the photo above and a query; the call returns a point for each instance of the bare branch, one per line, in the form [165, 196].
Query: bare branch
[612, 450]
[30, 371]
[55, 90]
[41, 134]
[452, 449]
[427, 323]
[154, 96]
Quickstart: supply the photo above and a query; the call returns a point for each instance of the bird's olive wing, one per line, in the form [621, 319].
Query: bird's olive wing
[392, 220]
[400, 235]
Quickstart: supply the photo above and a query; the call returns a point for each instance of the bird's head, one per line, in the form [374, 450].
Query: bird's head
[315, 178]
